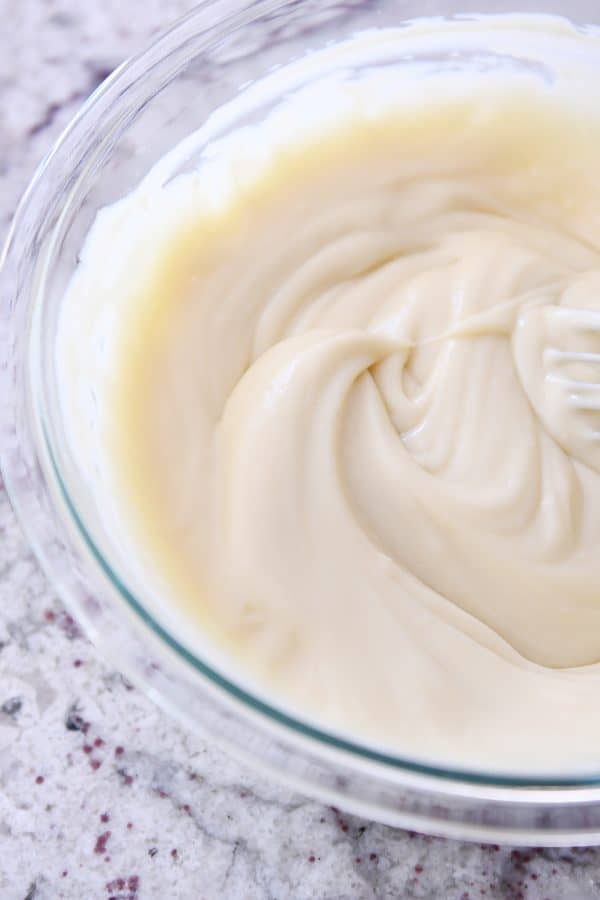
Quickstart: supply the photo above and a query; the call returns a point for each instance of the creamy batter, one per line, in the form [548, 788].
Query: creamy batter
[323, 409]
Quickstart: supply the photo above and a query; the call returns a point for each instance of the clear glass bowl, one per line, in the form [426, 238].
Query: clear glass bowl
[147, 106]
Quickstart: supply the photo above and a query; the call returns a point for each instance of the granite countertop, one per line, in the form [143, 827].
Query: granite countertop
[102, 795]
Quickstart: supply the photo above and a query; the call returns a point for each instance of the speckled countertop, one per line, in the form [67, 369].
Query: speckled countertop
[101, 795]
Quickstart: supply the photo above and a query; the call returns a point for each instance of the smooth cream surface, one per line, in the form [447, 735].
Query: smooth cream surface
[326, 417]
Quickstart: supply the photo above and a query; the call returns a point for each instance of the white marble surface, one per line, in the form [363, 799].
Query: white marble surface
[101, 795]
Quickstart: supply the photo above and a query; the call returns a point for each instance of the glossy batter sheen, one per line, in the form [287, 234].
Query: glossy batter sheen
[330, 428]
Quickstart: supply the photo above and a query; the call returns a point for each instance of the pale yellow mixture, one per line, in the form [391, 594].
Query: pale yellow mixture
[327, 421]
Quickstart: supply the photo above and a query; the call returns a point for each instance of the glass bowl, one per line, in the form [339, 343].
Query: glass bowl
[140, 112]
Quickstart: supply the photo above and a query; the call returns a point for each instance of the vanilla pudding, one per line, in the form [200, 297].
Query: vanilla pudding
[321, 406]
